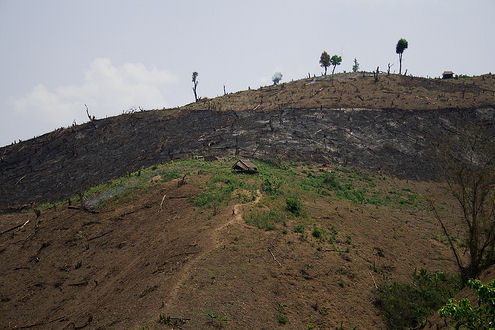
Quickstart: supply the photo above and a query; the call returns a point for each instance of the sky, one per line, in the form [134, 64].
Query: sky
[56, 56]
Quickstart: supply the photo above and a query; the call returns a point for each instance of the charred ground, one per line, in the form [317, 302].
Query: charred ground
[301, 244]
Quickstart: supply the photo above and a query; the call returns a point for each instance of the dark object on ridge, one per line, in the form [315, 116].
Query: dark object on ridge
[245, 166]
[447, 75]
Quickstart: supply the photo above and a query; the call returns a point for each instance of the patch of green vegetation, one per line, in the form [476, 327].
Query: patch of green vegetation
[217, 317]
[407, 305]
[222, 183]
[293, 205]
[464, 315]
[299, 228]
[265, 219]
[271, 185]
[213, 198]
[282, 319]
[333, 234]
[462, 76]
[124, 188]
[317, 232]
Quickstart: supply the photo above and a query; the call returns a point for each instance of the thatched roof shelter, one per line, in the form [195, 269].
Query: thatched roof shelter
[245, 166]
[448, 75]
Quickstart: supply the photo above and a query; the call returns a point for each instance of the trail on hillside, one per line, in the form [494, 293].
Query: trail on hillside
[214, 241]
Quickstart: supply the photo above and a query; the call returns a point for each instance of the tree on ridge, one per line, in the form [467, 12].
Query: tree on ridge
[325, 61]
[399, 49]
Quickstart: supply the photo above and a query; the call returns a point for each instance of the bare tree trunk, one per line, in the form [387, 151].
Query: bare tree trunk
[195, 94]
[400, 63]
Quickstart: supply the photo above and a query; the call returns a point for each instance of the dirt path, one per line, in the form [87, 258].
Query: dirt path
[214, 241]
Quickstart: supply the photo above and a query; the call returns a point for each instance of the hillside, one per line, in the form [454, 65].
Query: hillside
[222, 250]
[347, 120]
[166, 235]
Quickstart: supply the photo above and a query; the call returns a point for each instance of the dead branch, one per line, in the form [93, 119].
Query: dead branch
[18, 181]
[274, 257]
[437, 216]
[99, 236]
[161, 204]
[376, 286]
[25, 223]
[13, 228]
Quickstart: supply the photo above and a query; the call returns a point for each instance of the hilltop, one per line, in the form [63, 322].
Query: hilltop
[360, 91]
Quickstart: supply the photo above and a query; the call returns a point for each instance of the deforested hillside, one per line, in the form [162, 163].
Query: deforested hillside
[139, 221]
[347, 119]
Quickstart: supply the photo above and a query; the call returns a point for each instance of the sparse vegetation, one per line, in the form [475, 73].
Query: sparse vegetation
[265, 219]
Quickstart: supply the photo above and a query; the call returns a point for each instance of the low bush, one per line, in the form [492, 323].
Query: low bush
[407, 305]
[293, 205]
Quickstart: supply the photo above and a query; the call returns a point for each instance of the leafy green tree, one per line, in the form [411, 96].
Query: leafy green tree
[355, 67]
[195, 85]
[325, 61]
[399, 49]
[467, 316]
[335, 60]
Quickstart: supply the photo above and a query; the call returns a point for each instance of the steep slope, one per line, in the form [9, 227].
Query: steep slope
[293, 121]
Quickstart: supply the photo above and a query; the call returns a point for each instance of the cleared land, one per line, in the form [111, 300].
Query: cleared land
[359, 90]
[311, 246]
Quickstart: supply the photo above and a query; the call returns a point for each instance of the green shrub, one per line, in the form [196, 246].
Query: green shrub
[317, 232]
[294, 206]
[407, 305]
[299, 228]
[271, 185]
[331, 181]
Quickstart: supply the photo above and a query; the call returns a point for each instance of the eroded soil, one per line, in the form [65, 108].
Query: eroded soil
[126, 266]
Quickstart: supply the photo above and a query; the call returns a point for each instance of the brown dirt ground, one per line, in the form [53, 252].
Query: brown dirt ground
[124, 267]
[359, 90]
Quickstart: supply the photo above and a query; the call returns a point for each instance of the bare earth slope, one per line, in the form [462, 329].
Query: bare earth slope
[159, 254]
[359, 90]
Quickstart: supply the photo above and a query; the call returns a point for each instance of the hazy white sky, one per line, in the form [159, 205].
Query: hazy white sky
[57, 55]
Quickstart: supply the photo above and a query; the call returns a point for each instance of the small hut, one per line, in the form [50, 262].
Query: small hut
[244, 166]
[447, 75]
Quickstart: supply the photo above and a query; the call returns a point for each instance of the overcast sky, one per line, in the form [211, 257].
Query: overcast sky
[56, 56]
